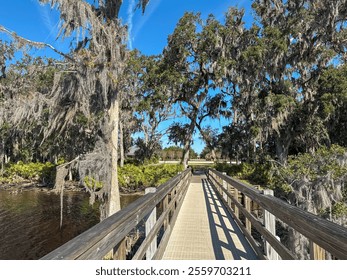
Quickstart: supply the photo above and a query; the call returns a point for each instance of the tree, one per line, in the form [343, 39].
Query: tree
[273, 67]
[24, 91]
[96, 63]
[189, 57]
[153, 106]
[332, 102]
[205, 152]
[298, 40]
[130, 99]
[181, 134]
[176, 153]
[193, 154]
[172, 153]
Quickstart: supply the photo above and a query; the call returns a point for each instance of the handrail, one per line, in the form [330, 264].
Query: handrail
[326, 234]
[98, 241]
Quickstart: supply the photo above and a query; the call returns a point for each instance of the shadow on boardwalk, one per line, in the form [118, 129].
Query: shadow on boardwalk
[204, 230]
[226, 235]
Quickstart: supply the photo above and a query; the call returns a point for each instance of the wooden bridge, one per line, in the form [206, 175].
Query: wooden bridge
[204, 216]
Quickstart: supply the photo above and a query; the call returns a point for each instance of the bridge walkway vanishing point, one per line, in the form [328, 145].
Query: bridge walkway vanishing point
[204, 229]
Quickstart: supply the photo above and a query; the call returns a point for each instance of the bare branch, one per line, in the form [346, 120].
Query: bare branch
[34, 43]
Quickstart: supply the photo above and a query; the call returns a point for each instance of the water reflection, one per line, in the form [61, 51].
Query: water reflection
[30, 221]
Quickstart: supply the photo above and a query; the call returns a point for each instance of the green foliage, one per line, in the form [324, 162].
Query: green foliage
[276, 41]
[81, 119]
[44, 172]
[176, 153]
[133, 177]
[196, 166]
[339, 209]
[130, 176]
[147, 152]
[255, 173]
[325, 163]
[92, 183]
[152, 160]
[311, 167]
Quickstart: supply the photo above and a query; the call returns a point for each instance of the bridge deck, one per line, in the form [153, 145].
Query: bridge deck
[204, 230]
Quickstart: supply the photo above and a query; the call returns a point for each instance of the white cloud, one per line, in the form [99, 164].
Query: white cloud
[51, 24]
[150, 9]
[130, 14]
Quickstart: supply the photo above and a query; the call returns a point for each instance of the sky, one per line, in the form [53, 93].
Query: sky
[148, 32]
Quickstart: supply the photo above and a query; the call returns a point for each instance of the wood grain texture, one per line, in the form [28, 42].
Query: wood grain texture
[96, 242]
[326, 234]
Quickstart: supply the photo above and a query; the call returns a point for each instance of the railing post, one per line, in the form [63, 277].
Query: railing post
[270, 225]
[236, 196]
[229, 192]
[316, 252]
[225, 186]
[248, 208]
[119, 252]
[165, 206]
[254, 206]
[150, 222]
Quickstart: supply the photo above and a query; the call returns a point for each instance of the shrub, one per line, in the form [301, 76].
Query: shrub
[44, 172]
[132, 177]
[92, 183]
[255, 173]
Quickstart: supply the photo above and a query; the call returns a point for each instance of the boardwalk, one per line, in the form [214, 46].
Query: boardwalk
[204, 230]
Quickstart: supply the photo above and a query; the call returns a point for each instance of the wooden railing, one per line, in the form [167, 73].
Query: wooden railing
[100, 240]
[245, 202]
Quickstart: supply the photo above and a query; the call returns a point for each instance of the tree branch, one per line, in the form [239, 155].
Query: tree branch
[34, 43]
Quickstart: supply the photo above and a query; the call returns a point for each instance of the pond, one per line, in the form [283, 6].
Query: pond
[30, 221]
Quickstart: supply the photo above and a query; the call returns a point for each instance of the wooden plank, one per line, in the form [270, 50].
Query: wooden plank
[151, 236]
[236, 198]
[165, 207]
[229, 188]
[328, 235]
[160, 251]
[225, 186]
[166, 237]
[120, 251]
[248, 209]
[248, 236]
[316, 252]
[103, 237]
[162, 246]
[279, 247]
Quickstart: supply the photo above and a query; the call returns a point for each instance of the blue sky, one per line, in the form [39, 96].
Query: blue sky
[148, 31]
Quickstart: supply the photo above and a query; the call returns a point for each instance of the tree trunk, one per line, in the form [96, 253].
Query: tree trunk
[207, 142]
[2, 164]
[113, 204]
[121, 143]
[186, 153]
[187, 143]
[2, 155]
[282, 147]
[213, 155]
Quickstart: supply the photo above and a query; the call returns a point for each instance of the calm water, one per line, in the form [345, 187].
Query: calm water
[30, 221]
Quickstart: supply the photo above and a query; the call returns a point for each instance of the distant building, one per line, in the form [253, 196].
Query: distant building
[132, 151]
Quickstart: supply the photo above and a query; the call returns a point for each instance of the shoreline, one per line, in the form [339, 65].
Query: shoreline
[28, 185]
